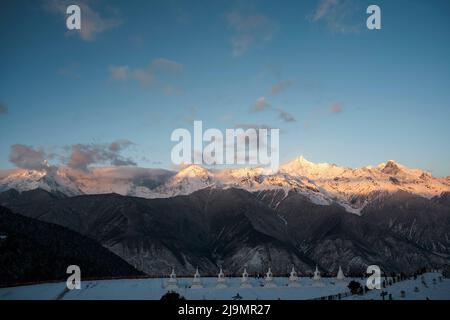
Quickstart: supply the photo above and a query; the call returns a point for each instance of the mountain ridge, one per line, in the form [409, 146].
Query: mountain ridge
[322, 183]
[233, 227]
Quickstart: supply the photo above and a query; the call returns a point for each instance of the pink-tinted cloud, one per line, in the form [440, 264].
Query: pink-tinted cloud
[285, 116]
[336, 108]
[261, 104]
[249, 29]
[26, 157]
[280, 86]
[337, 15]
[84, 155]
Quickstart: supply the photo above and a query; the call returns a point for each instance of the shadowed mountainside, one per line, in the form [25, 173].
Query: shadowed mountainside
[32, 250]
[232, 227]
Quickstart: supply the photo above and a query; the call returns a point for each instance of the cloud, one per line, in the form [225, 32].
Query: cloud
[336, 108]
[147, 76]
[167, 65]
[3, 109]
[280, 86]
[119, 72]
[84, 155]
[249, 30]
[324, 9]
[76, 156]
[285, 116]
[337, 15]
[146, 177]
[120, 144]
[261, 104]
[92, 23]
[6, 172]
[26, 157]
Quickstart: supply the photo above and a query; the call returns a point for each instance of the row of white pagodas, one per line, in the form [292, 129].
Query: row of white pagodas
[172, 282]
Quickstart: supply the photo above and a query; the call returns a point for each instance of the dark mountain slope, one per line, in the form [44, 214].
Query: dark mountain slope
[205, 229]
[422, 222]
[232, 227]
[331, 236]
[31, 250]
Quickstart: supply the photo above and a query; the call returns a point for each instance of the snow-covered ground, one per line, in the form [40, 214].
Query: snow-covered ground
[155, 288]
[433, 290]
[142, 289]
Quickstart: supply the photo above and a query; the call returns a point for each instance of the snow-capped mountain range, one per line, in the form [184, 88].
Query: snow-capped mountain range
[322, 183]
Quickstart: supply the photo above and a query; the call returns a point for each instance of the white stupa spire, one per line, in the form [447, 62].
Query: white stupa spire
[317, 274]
[340, 275]
[245, 283]
[221, 283]
[268, 280]
[172, 282]
[293, 278]
[196, 282]
[317, 279]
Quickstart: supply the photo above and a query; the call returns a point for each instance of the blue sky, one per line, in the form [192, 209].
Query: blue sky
[138, 70]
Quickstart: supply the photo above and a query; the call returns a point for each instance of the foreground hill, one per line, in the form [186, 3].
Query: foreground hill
[32, 250]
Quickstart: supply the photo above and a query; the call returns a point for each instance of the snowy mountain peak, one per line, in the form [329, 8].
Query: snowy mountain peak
[390, 167]
[303, 162]
[193, 171]
[302, 167]
[52, 180]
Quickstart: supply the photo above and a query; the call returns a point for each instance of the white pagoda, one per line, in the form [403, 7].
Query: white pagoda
[317, 279]
[293, 279]
[221, 283]
[172, 283]
[268, 280]
[245, 282]
[340, 275]
[196, 282]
